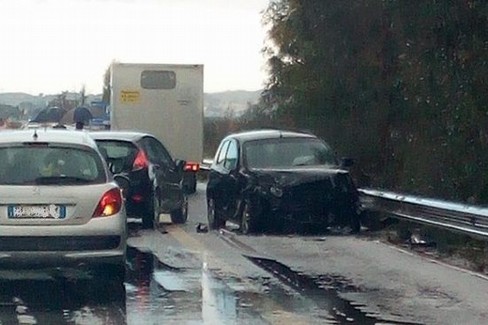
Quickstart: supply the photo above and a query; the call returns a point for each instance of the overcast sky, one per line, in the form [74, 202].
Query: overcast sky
[48, 46]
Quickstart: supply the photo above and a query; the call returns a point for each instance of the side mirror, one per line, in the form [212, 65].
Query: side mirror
[115, 165]
[347, 162]
[180, 164]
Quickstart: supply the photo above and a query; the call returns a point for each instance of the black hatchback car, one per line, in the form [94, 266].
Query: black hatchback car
[155, 178]
[266, 178]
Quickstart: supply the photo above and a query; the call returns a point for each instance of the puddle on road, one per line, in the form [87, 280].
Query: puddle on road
[156, 291]
[324, 291]
[40, 298]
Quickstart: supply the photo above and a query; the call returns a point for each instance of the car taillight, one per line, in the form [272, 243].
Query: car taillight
[191, 166]
[140, 162]
[110, 203]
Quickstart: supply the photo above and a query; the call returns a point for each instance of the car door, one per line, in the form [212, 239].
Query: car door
[167, 175]
[223, 179]
[217, 179]
[233, 189]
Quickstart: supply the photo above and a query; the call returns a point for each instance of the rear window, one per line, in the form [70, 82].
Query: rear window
[50, 165]
[119, 155]
[158, 79]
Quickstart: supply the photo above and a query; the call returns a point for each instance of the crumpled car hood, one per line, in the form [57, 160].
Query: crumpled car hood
[297, 175]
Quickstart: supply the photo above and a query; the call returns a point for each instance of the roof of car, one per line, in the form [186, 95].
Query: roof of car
[47, 135]
[268, 134]
[118, 135]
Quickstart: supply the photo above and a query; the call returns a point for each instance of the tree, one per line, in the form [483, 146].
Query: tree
[399, 85]
[106, 86]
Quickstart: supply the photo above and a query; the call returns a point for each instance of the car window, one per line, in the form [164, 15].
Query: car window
[230, 161]
[119, 155]
[50, 164]
[156, 152]
[288, 152]
[221, 153]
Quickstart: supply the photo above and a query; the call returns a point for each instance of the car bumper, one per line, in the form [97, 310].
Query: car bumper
[100, 241]
[320, 210]
[33, 260]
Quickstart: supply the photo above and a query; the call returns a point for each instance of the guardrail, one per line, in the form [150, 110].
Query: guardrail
[467, 219]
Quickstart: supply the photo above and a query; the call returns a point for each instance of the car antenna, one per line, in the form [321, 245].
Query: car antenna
[34, 136]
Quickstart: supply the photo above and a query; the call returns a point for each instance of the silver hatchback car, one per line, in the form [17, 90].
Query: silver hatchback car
[59, 204]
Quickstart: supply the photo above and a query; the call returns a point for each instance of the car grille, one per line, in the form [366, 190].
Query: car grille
[310, 197]
[66, 243]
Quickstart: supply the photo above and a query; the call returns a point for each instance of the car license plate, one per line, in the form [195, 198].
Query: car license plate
[51, 211]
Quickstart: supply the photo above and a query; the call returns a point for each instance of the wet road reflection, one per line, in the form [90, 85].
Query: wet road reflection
[325, 291]
[153, 293]
[219, 304]
[156, 291]
[44, 298]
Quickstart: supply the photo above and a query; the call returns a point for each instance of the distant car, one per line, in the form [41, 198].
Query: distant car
[59, 204]
[266, 178]
[155, 178]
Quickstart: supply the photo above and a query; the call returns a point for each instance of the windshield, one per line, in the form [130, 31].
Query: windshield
[45, 164]
[288, 152]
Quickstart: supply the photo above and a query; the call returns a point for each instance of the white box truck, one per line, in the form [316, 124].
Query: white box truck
[165, 100]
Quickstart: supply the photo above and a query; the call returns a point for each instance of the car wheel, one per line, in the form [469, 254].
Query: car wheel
[355, 223]
[194, 186]
[248, 219]
[214, 219]
[152, 212]
[190, 183]
[180, 215]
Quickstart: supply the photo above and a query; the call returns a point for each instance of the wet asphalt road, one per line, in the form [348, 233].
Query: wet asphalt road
[176, 275]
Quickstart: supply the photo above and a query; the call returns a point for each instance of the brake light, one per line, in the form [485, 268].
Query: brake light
[110, 203]
[191, 166]
[140, 162]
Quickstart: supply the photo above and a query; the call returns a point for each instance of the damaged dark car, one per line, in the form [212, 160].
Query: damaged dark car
[266, 179]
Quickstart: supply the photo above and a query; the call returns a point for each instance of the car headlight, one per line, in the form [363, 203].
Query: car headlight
[276, 191]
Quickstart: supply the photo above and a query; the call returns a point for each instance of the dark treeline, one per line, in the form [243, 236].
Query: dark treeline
[401, 86]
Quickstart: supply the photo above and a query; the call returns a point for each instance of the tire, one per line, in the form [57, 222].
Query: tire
[180, 215]
[355, 223]
[193, 188]
[152, 213]
[248, 219]
[215, 221]
[189, 182]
